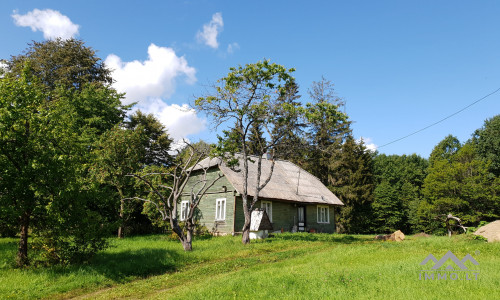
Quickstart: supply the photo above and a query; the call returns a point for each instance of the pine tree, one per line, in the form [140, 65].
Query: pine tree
[350, 177]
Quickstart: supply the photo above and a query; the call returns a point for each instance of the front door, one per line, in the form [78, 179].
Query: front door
[301, 212]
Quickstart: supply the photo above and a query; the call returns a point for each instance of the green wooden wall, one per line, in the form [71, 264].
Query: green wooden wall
[284, 214]
[206, 212]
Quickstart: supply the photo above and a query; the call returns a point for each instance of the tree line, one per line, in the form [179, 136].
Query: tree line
[76, 166]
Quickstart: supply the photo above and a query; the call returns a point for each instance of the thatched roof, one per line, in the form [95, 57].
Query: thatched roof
[288, 181]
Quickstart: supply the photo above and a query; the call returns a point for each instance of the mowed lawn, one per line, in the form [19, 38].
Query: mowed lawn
[289, 266]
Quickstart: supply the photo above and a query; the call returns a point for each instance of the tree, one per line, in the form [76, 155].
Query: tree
[292, 142]
[256, 140]
[350, 176]
[157, 144]
[445, 149]
[118, 153]
[248, 96]
[62, 62]
[487, 143]
[126, 149]
[55, 101]
[42, 151]
[328, 130]
[397, 194]
[460, 185]
[326, 148]
[166, 185]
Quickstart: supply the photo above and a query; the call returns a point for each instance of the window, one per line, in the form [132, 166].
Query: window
[268, 207]
[323, 214]
[220, 209]
[184, 210]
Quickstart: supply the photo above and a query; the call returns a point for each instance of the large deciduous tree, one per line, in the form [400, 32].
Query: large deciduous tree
[249, 97]
[42, 152]
[487, 142]
[51, 115]
[126, 149]
[62, 62]
[459, 184]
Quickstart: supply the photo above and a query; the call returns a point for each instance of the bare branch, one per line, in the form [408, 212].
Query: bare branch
[153, 189]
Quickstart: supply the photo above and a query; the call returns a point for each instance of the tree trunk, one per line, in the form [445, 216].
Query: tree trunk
[187, 244]
[186, 241]
[245, 238]
[122, 207]
[22, 250]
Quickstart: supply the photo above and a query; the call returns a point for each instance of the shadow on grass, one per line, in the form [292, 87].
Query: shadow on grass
[333, 238]
[120, 266]
[141, 263]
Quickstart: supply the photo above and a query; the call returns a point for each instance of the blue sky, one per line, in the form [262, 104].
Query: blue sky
[399, 65]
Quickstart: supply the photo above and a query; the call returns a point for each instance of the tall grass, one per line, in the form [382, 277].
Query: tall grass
[291, 266]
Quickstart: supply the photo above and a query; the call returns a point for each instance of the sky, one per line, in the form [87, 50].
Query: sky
[400, 66]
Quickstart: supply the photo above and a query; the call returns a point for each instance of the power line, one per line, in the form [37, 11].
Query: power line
[457, 112]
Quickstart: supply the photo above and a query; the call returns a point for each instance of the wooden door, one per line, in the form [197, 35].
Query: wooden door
[301, 213]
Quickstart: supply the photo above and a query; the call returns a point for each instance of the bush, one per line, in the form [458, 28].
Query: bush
[72, 231]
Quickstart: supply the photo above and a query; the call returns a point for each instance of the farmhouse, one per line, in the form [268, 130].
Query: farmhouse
[294, 199]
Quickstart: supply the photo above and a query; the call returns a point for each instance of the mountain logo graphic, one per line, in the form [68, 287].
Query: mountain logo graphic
[449, 255]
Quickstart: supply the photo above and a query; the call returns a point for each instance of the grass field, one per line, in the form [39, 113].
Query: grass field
[290, 266]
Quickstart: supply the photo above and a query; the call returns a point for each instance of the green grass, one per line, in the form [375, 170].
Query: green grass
[290, 266]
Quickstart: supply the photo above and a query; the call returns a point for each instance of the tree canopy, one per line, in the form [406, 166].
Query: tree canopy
[50, 119]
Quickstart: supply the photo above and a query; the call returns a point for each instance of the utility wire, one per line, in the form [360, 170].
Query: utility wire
[455, 113]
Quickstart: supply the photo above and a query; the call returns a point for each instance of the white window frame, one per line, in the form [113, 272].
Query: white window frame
[326, 210]
[220, 209]
[184, 210]
[268, 206]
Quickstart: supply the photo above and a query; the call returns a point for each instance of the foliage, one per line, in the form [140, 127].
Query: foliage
[460, 185]
[327, 131]
[47, 126]
[351, 179]
[445, 149]
[118, 153]
[157, 142]
[487, 143]
[332, 155]
[399, 180]
[253, 96]
[62, 62]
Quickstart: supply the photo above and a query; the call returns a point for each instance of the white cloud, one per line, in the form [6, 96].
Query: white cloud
[210, 31]
[368, 143]
[52, 23]
[232, 47]
[180, 120]
[155, 77]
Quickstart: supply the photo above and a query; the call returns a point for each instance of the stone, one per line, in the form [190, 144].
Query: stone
[397, 236]
[490, 231]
